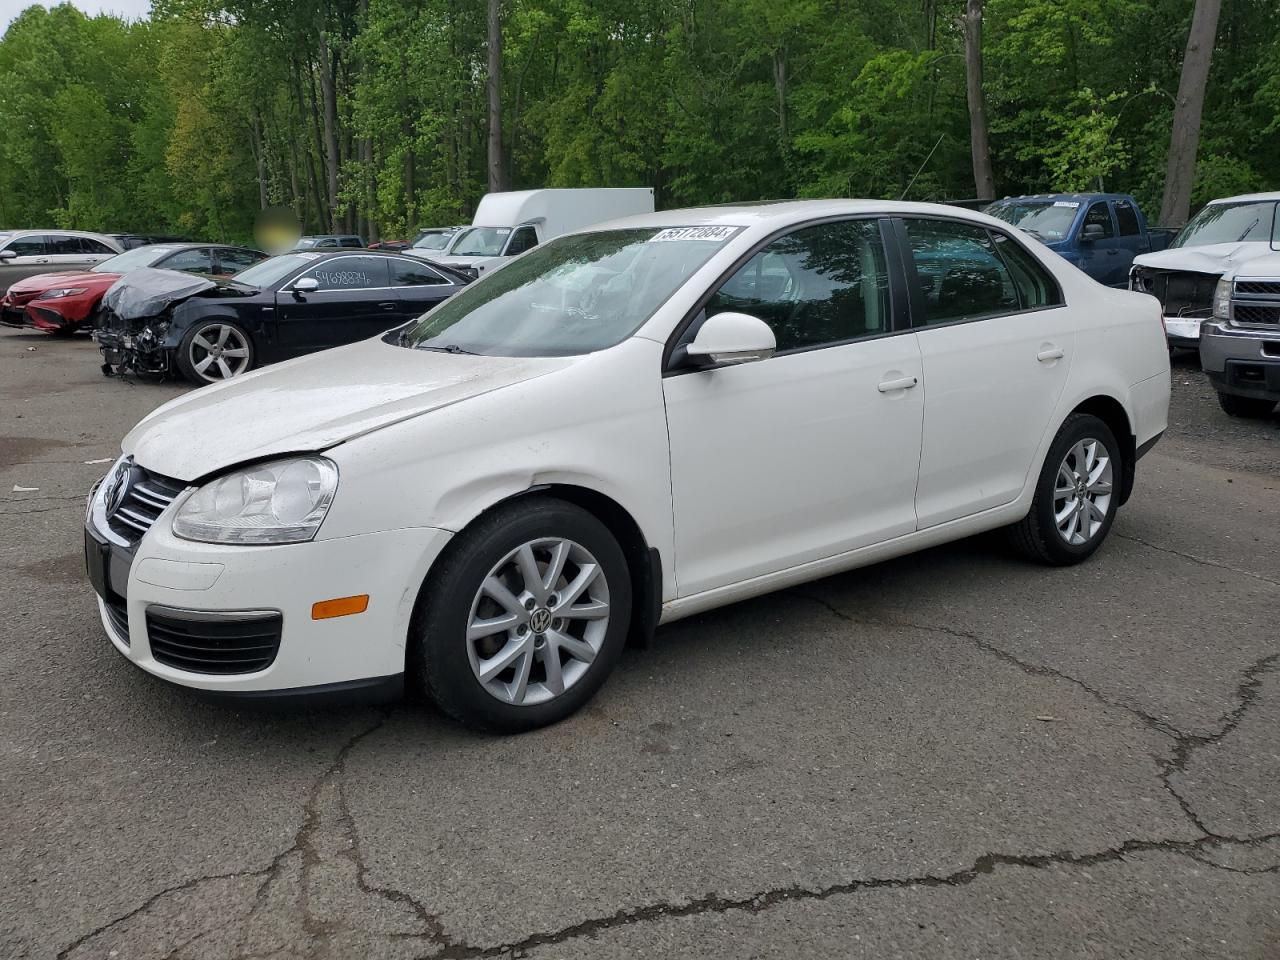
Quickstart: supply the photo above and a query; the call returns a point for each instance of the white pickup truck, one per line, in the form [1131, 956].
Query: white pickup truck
[1220, 239]
[507, 224]
[1240, 343]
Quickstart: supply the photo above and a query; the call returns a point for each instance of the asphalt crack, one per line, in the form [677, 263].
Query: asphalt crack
[1203, 561]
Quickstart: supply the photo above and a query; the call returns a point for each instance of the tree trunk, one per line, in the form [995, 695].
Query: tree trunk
[328, 91]
[499, 178]
[1184, 140]
[983, 182]
[258, 149]
[780, 91]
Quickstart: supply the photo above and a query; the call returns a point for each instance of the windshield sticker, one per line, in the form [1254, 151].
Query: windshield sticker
[1067, 203]
[307, 256]
[501, 231]
[714, 234]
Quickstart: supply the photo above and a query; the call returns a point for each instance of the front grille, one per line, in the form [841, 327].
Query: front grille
[1181, 293]
[146, 496]
[1256, 313]
[118, 617]
[1267, 288]
[219, 645]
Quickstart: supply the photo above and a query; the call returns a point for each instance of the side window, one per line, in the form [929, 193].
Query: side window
[1035, 285]
[95, 247]
[960, 273]
[405, 273]
[189, 261]
[1127, 217]
[1099, 214]
[60, 244]
[231, 260]
[350, 273]
[29, 246]
[819, 285]
[349, 242]
[526, 238]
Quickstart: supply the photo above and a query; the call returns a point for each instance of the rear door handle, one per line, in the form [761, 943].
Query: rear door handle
[388, 306]
[1051, 353]
[902, 383]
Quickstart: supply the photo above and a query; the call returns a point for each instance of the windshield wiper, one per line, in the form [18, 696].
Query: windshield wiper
[447, 348]
[1248, 229]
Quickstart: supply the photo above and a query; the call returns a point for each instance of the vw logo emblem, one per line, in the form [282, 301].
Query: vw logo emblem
[117, 487]
[540, 621]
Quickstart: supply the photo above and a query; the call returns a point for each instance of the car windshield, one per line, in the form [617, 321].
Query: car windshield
[306, 243]
[572, 295]
[1230, 223]
[270, 271]
[481, 242]
[433, 241]
[132, 259]
[1046, 219]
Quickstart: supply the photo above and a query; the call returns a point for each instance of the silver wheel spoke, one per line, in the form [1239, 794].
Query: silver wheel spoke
[491, 625]
[222, 335]
[528, 567]
[578, 649]
[555, 569]
[551, 666]
[495, 588]
[236, 352]
[1095, 512]
[586, 574]
[592, 610]
[203, 343]
[504, 658]
[203, 365]
[516, 689]
[223, 368]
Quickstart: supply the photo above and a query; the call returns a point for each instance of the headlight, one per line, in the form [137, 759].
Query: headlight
[1222, 300]
[61, 292]
[280, 502]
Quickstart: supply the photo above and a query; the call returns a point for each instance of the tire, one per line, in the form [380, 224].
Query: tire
[1038, 535]
[231, 356]
[449, 664]
[1235, 406]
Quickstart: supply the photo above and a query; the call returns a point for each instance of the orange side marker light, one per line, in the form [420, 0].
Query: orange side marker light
[340, 607]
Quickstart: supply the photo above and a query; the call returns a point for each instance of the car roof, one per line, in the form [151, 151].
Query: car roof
[782, 213]
[1082, 197]
[1247, 198]
[44, 230]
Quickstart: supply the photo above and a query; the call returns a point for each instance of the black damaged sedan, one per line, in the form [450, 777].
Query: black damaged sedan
[154, 322]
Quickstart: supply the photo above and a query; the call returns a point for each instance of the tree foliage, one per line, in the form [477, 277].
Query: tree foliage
[371, 115]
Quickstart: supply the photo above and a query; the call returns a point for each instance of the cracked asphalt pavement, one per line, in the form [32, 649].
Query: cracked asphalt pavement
[954, 754]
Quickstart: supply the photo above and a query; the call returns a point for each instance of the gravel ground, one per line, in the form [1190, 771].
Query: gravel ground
[954, 754]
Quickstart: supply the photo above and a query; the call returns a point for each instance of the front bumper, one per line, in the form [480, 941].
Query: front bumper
[1242, 361]
[329, 659]
[1183, 331]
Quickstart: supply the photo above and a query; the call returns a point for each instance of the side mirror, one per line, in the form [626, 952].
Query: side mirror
[731, 338]
[8, 254]
[1092, 232]
[305, 285]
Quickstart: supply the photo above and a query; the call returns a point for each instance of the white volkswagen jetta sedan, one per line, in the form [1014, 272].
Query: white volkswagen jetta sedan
[623, 427]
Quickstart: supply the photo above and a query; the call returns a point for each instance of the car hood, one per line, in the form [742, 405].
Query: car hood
[68, 278]
[1266, 266]
[147, 291]
[1214, 258]
[316, 402]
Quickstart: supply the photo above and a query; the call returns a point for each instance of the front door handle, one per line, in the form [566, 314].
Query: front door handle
[902, 383]
[1050, 353]
[388, 306]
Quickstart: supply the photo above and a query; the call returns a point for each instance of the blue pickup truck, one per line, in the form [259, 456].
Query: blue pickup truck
[1100, 233]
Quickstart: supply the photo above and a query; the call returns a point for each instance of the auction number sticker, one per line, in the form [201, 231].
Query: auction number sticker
[714, 234]
[1067, 203]
[343, 278]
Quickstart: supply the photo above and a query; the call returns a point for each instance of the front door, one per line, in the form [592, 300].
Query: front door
[355, 301]
[1103, 258]
[996, 341]
[814, 451]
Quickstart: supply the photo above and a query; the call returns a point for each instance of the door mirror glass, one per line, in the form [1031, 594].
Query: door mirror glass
[306, 285]
[730, 338]
[1092, 232]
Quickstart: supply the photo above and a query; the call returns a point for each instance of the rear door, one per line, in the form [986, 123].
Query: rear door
[418, 287]
[1130, 237]
[355, 301]
[996, 340]
[1103, 258]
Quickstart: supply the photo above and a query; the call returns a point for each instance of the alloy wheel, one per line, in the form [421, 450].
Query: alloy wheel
[538, 621]
[1082, 492]
[219, 352]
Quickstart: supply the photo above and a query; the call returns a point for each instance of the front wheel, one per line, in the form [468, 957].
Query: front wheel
[213, 351]
[1235, 406]
[523, 617]
[1077, 494]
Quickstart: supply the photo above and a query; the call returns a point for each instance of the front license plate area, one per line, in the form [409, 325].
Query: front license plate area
[96, 555]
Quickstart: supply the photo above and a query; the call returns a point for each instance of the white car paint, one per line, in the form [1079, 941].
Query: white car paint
[743, 479]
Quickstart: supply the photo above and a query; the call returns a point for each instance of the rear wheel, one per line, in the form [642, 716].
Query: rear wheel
[1077, 494]
[214, 351]
[1245, 406]
[523, 618]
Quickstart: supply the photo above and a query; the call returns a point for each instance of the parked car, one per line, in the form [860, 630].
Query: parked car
[325, 241]
[1100, 233]
[130, 241]
[394, 245]
[433, 241]
[1240, 343]
[1221, 238]
[24, 253]
[626, 426]
[66, 302]
[155, 321]
[508, 224]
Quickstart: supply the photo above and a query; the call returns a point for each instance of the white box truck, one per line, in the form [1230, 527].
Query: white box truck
[507, 224]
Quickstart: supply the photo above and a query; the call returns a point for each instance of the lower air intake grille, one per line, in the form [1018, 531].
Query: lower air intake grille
[222, 645]
[118, 617]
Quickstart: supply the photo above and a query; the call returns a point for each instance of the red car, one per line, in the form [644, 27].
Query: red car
[66, 302]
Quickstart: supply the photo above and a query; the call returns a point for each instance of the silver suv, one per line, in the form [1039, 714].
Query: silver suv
[24, 253]
[1240, 344]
